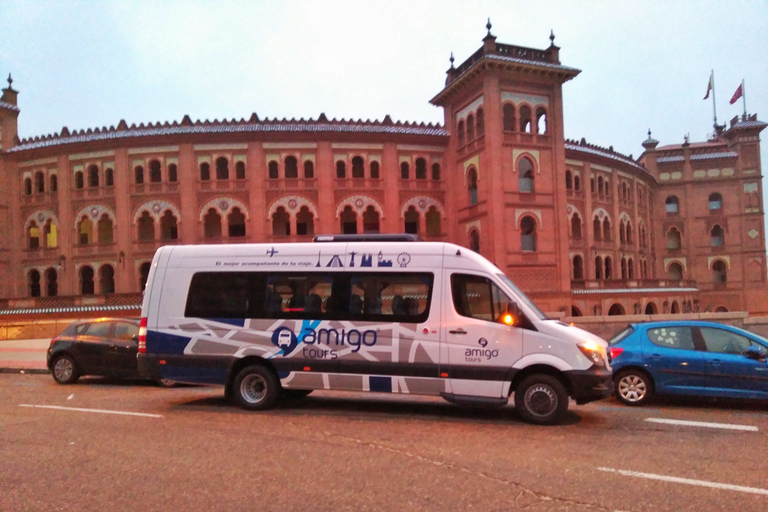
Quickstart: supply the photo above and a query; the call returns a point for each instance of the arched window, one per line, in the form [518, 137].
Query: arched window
[155, 172]
[144, 274]
[106, 279]
[173, 173]
[592, 185]
[138, 173]
[51, 282]
[405, 171]
[348, 220]
[629, 232]
[608, 267]
[718, 272]
[309, 169]
[651, 309]
[508, 112]
[578, 267]
[575, 311]
[598, 267]
[576, 182]
[461, 134]
[358, 167]
[528, 234]
[421, 169]
[168, 226]
[671, 205]
[525, 175]
[305, 222]
[412, 220]
[480, 123]
[85, 230]
[205, 171]
[436, 172]
[675, 308]
[371, 220]
[673, 239]
[600, 186]
[33, 236]
[676, 272]
[541, 120]
[715, 202]
[93, 176]
[622, 234]
[597, 228]
[236, 223]
[50, 234]
[717, 237]
[54, 183]
[375, 170]
[568, 180]
[222, 168]
[616, 310]
[79, 183]
[470, 128]
[623, 268]
[239, 170]
[472, 185]
[433, 222]
[474, 240]
[109, 177]
[607, 230]
[341, 169]
[212, 224]
[39, 182]
[105, 228]
[146, 227]
[576, 226]
[607, 187]
[86, 280]
[291, 167]
[630, 269]
[34, 283]
[525, 119]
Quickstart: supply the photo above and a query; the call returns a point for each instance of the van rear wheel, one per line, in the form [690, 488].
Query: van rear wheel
[541, 399]
[255, 388]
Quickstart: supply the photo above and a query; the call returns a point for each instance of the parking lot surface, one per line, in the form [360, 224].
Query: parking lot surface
[103, 445]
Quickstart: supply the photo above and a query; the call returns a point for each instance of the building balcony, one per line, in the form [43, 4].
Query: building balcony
[641, 284]
[92, 193]
[155, 188]
[40, 254]
[91, 250]
[421, 185]
[574, 194]
[291, 184]
[39, 198]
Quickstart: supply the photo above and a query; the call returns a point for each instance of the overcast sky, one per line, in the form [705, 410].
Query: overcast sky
[87, 64]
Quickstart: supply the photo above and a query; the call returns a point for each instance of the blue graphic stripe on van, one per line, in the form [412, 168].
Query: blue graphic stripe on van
[237, 322]
[162, 343]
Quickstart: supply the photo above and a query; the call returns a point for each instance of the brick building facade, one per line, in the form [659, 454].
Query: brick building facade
[583, 229]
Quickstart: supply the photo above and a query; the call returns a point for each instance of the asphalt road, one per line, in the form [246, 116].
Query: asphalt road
[64, 448]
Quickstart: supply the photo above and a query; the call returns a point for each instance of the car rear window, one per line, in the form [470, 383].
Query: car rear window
[621, 336]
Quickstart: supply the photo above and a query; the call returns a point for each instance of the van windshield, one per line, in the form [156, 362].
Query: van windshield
[540, 314]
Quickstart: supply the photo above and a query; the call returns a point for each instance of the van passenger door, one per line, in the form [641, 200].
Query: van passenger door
[480, 349]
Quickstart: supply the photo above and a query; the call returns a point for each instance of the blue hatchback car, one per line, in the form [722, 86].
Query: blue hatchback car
[688, 358]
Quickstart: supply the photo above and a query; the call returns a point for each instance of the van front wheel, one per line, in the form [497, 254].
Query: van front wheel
[255, 388]
[541, 399]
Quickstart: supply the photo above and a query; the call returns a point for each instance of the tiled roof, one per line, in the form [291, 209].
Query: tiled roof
[9, 106]
[529, 62]
[242, 126]
[74, 309]
[634, 290]
[592, 149]
[667, 159]
[748, 124]
[700, 156]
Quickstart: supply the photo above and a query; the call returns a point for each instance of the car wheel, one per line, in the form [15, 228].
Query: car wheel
[541, 399]
[166, 383]
[633, 387]
[255, 388]
[295, 394]
[64, 370]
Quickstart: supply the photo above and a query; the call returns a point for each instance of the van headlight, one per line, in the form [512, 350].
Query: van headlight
[593, 352]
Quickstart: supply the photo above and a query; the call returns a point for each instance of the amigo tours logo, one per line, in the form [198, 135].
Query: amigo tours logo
[476, 355]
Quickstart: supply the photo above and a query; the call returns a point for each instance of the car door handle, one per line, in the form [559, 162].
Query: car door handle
[458, 331]
[656, 357]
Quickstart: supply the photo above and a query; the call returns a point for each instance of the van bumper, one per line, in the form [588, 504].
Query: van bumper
[590, 385]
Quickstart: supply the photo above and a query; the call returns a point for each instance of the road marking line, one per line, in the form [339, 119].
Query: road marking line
[102, 411]
[688, 481]
[728, 426]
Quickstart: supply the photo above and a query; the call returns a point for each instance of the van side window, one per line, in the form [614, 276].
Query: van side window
[392, 297]
[219, 295]
[297, 293]
[478, 297]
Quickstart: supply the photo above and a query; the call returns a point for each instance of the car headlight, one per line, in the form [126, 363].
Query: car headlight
[593, 352]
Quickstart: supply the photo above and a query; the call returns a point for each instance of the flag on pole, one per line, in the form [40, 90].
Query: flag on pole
[736, 95]
[710, 84]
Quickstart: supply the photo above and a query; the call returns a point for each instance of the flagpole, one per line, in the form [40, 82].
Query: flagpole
[714, 108]
[744, 98]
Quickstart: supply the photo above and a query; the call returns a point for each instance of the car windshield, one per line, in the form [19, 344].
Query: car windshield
[523, 297]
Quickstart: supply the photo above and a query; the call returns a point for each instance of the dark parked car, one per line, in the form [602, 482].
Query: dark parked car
[104, 346]
[688, 358]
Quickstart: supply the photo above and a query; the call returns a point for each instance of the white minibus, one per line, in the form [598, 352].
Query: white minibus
[382, 313]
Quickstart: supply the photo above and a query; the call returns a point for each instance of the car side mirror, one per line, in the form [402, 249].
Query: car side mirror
[754, 352]
[135, 337]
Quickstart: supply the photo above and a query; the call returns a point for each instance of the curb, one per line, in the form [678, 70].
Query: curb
[25, 370]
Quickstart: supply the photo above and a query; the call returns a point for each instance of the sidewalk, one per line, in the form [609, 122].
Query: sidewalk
[23, 355]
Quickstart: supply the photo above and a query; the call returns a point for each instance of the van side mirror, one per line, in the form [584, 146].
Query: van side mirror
[755, 352]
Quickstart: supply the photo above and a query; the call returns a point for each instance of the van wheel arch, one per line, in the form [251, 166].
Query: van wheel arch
[239, 365]
[540, 369]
